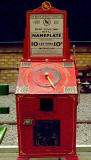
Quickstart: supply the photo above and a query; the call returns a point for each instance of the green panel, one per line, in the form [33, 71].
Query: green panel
[2, 132]
[4, 110]
[68, 64]
[4, 89]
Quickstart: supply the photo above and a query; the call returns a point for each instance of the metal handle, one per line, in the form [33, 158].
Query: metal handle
[47, 77]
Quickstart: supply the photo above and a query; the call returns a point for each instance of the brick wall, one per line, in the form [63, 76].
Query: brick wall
[83, 59]
[9, 64]
[83, 55]
[10, 59]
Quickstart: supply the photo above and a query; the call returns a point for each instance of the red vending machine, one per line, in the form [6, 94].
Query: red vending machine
[46, 92]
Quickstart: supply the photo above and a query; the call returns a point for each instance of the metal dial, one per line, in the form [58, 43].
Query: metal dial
[53, 79]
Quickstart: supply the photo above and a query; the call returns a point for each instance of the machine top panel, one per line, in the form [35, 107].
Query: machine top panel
[46, 34]
[46, 78]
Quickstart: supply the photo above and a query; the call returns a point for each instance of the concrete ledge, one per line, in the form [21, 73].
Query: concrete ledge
[8, 149]
[14, 149]
[83, 148]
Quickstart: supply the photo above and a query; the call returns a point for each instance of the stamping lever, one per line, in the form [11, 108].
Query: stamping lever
[47, 77]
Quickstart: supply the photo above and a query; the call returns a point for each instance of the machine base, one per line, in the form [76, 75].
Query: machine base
[71, 157]
[75, 157]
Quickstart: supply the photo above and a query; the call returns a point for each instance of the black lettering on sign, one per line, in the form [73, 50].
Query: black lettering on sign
[34, 43]
[44, 35]
[57, 43]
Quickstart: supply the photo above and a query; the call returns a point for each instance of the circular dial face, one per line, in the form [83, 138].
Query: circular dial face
[46, 77]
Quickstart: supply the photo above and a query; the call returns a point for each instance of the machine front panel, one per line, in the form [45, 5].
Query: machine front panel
[47, 130]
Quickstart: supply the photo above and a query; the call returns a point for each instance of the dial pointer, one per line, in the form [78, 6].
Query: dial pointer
[47, 77]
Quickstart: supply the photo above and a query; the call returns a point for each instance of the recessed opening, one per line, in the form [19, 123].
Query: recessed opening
[46, 104]
[4, 110]
[46, 133]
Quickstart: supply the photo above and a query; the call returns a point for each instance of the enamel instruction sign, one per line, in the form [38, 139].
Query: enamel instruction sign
[46, 34]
